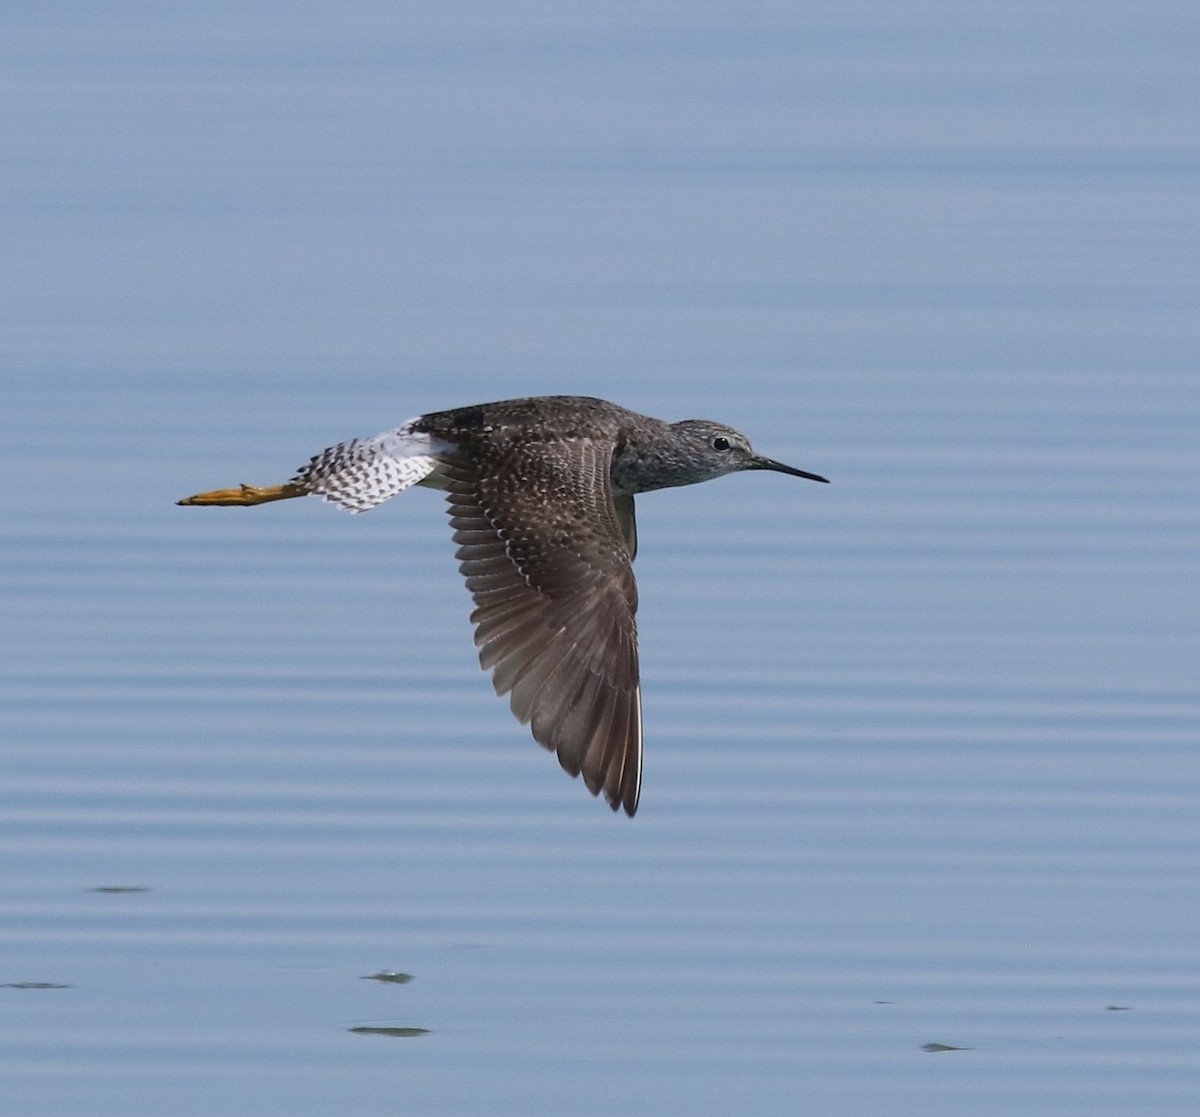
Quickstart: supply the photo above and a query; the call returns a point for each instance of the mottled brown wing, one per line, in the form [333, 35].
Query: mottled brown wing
[547, 563]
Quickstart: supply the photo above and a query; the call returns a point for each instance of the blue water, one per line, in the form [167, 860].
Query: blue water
[921, 744]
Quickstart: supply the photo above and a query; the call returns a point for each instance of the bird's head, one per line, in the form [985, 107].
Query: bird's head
[708, 450]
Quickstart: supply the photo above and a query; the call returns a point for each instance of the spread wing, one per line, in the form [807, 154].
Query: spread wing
[547, 561]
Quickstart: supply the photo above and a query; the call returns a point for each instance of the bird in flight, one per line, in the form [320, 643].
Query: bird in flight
[540, 493]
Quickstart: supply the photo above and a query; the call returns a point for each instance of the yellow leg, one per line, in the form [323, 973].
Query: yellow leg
[247, 494]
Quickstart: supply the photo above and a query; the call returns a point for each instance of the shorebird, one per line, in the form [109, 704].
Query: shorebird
[540, 493]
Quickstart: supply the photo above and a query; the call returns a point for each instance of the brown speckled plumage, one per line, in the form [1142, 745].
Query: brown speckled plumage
[540, 494]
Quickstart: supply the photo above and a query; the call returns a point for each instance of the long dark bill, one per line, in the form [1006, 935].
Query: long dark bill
[779, 467]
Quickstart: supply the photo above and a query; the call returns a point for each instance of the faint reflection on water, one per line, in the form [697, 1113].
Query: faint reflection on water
[396, 1032]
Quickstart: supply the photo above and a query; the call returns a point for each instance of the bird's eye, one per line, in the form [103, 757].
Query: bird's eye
[720, 442]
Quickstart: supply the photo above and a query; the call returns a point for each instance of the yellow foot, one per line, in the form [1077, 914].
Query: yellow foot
[247, 494]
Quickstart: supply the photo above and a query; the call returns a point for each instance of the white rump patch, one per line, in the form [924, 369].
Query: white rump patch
[367, 471]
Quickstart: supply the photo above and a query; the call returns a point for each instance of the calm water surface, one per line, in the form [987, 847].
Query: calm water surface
[921, 744]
